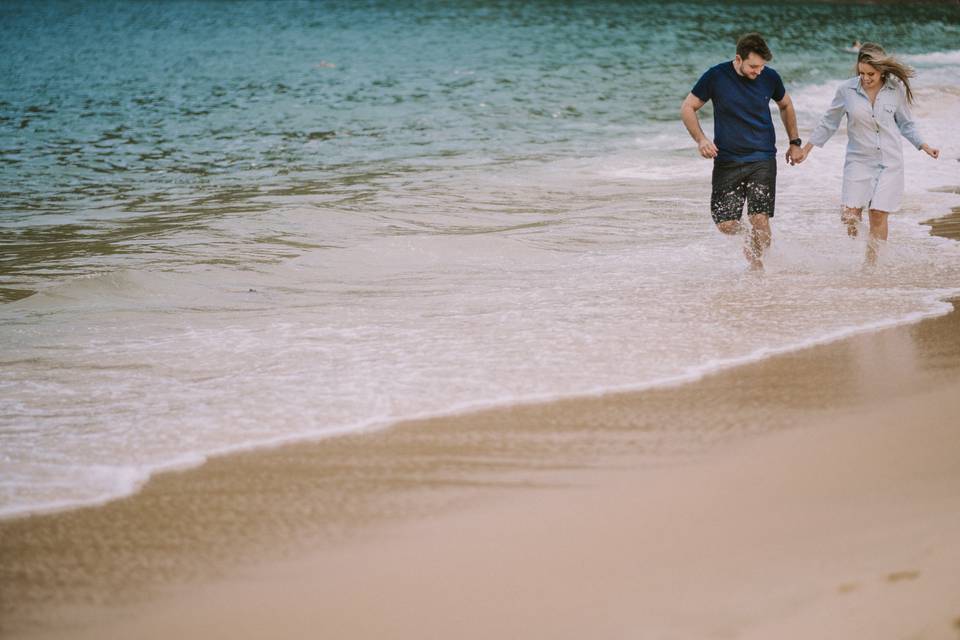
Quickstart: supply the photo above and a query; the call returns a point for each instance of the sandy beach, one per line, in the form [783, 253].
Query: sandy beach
[812, 494]
[409, 320]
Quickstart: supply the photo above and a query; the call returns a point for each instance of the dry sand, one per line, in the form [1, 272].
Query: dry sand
[812, 495]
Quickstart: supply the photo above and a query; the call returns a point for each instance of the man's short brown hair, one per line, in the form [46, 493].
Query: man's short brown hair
[753, 43]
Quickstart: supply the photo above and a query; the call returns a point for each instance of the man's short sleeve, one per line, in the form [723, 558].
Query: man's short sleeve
[778, 89]
[704, 87]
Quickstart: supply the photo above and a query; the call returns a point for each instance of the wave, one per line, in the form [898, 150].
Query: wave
[951, 57]
[141, 289]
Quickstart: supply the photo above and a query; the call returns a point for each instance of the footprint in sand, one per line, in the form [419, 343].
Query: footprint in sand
[900, 576]
[848, 587]
[896, 576]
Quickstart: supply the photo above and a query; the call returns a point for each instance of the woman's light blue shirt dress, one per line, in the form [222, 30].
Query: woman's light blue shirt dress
[873, 171]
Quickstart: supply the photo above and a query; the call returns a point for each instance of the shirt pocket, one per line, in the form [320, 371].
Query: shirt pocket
[887, 113]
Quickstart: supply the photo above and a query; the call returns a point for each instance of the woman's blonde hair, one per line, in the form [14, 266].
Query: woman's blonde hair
[873, 54]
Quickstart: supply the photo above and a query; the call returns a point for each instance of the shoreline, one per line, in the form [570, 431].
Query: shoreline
[361, 508]
[950, 224]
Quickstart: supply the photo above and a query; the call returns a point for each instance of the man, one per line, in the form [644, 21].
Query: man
[744, 146]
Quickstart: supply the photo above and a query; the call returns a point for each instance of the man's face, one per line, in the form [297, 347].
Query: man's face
[751, 66]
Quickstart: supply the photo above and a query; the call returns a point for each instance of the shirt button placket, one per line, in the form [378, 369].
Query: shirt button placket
[876, 123]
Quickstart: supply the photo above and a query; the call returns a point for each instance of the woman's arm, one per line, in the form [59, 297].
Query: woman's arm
[829, 122]
[904, 120]
[930, 151]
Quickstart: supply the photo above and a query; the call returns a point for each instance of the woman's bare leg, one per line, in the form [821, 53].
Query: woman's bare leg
[878, 234]
[851, 217]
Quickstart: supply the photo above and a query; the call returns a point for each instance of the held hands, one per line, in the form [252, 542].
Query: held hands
[796, 155]
[707, 148]
[930, 151]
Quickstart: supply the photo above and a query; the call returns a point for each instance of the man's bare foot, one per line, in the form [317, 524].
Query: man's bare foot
[753, 260]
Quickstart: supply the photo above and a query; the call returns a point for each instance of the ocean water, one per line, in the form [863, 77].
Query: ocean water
[229, 225]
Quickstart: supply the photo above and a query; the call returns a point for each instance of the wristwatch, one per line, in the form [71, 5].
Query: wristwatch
[796, 141]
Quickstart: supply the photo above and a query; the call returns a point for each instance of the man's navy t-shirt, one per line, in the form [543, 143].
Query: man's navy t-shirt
[742, 126]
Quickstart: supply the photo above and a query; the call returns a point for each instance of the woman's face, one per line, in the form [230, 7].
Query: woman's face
[869, 76]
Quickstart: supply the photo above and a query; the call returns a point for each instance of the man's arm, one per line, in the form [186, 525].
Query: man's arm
[788, 114]
[688, 113]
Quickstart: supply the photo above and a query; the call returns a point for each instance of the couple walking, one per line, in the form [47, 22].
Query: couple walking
[876, 103]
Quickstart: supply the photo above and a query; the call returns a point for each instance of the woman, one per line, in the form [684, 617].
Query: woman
[877, 105]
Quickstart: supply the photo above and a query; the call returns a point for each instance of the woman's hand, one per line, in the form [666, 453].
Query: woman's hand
[801, 154]
[930, 151]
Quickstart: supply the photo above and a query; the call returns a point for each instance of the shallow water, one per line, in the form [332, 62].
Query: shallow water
[225, 226]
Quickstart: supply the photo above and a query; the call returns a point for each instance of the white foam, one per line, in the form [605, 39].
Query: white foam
[939, 58]
[122, 481]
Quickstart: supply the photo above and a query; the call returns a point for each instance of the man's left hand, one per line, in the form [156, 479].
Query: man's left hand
[794, 155]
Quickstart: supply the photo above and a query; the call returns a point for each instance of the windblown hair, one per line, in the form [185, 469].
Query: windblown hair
[753, 43]
[874, 55]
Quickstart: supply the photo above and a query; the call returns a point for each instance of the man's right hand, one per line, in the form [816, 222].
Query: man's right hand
[707, 148]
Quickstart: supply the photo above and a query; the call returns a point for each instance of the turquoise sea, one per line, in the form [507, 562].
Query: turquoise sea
[229, 224]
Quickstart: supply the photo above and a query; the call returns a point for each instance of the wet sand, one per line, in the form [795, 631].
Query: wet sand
[814, 494]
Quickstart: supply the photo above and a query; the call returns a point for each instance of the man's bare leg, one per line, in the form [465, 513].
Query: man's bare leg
[732, 228]
[729, 227]
[758, 240]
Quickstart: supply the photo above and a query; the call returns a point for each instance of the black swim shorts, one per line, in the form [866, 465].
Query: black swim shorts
[737, 182]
